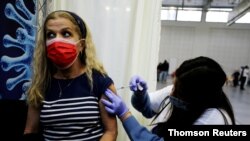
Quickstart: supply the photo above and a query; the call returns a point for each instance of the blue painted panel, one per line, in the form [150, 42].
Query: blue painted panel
[17, 43]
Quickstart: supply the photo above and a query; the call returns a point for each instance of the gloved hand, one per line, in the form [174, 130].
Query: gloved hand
[115, 105]
[138, 85]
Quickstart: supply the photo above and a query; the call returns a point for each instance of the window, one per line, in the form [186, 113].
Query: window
[181, 14]
[189, 14]
[168, 13]
[217, 15]
[244, 19]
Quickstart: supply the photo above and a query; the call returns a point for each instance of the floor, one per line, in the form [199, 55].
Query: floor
[240, 100]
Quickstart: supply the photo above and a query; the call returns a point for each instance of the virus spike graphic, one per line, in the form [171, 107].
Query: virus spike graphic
[24, 42]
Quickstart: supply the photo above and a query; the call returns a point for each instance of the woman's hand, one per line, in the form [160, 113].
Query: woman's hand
[115, 105]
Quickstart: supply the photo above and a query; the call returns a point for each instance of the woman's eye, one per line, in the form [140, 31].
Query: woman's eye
[66, 34]
[50, 35]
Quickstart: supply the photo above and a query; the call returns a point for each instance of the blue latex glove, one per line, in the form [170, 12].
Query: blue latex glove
[138, 85]
[115, 105]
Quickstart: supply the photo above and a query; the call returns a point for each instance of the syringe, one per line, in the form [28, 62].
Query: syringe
[123, 87]
[138, 86]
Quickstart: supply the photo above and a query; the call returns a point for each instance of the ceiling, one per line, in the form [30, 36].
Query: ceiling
[201, 3]
[239, 7]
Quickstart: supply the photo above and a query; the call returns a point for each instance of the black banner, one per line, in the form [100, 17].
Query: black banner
[241, 132]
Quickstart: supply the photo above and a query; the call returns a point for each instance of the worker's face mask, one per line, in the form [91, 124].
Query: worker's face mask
[178, 103]
[62, 52]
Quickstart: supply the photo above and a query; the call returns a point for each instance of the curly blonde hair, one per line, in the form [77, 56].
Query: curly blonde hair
[43, 69]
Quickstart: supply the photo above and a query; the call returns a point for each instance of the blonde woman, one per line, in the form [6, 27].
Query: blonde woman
[67, 85]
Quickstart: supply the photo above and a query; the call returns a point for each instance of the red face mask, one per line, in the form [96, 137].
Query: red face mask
[61, 52]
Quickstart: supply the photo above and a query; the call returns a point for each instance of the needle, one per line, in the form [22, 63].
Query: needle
[123, 87]
[138, 86]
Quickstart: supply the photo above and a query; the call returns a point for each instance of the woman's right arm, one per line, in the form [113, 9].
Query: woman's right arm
[32, 122]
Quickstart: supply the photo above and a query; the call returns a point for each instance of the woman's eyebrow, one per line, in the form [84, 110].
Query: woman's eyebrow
[62, 29]
[66, 28]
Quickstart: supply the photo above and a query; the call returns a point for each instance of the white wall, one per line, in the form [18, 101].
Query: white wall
[228, 45]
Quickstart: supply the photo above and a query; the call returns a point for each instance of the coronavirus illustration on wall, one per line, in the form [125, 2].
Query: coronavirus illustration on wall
[17, 47]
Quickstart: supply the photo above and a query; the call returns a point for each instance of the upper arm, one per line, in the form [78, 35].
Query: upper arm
[157, 97]
[109, 121]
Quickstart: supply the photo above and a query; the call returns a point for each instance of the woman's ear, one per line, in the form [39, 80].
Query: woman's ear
[82, 42]
[82, 45]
